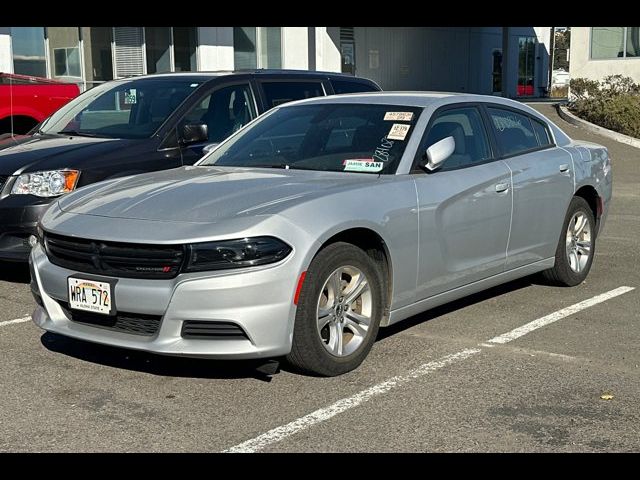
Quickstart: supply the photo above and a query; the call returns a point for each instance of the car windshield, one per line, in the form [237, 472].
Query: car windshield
[335, 137]
[129, 109]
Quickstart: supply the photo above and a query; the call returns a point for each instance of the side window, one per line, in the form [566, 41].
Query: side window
[513, 131]
[466, 128]
[224, 111]
[277, 93]
[542, 133]
[345, 86]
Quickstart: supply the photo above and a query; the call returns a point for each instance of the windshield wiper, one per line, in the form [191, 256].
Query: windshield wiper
[78, 133]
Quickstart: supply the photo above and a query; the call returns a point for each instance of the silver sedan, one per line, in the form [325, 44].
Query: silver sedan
[318, 223]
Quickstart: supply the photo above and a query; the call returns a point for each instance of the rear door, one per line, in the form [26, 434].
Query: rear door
[542, 178]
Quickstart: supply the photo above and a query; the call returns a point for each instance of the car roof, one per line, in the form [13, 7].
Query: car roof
[208, 75]
[412, 99]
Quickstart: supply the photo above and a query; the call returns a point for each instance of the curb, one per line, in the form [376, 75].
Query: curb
[566, 115]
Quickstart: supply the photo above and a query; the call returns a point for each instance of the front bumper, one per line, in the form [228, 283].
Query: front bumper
[260, 301]
[19, 215]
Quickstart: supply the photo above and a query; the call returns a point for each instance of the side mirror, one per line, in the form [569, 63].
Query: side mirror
[209, 148]
[437, 153]
[194, 133]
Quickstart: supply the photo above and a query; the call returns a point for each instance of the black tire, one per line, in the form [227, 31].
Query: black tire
[308, 353]
[562, 274]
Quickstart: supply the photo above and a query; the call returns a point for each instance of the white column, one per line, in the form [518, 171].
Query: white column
[327, 51]
[6, 63]
[295, 53]
[215, 49]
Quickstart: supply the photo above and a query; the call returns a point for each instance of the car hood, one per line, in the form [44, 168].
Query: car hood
[207, 194]
[48, 152]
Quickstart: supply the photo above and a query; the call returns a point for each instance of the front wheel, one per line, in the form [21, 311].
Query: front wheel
[576, 247]
[339, 311]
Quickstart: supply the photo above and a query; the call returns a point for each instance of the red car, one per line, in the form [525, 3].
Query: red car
[25, 101]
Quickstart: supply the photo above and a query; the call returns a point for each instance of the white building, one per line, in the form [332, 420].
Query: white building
[466, 59]
[600, 51]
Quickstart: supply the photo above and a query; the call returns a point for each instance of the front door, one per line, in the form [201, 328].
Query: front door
[464, 208]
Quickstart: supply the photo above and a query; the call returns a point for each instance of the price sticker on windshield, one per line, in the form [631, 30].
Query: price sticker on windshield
[398, 131]
[399, 116]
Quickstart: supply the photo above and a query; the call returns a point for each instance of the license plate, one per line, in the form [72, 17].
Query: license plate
[94, 296]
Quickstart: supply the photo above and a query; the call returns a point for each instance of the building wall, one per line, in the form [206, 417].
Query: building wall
[581, 66]
[6, 63]
[295, 48]
[215, 50]
[442, 58]
[327, 49]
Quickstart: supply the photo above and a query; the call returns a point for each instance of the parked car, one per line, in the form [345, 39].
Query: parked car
[318, 223]
[25, 101]
[138, 125]
[560, 78]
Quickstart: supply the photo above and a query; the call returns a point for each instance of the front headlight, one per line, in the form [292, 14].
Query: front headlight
[242, 252]
[46, 184]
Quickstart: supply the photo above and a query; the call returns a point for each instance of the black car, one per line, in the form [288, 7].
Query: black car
[138, 125]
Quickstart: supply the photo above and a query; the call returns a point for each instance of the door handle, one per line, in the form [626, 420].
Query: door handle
[502, 187]
[564, 167]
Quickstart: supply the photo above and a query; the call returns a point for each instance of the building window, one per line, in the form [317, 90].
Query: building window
[526, 66]
[615, 42]
[28, 51]
[184, 49]
[158, 49]
[257, 47]
[348, 50]
[97, 54]
[66, 62]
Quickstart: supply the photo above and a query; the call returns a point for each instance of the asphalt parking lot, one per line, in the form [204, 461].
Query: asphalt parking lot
[464, 377]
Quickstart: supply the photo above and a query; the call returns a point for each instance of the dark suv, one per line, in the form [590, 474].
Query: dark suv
[138, 125]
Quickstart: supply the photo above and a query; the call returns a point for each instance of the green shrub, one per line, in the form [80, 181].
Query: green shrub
[613, 103]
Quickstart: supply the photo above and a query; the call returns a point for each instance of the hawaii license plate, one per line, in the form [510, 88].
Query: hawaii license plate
[91, 295]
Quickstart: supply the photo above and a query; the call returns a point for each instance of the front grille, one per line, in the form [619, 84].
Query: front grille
[134, 323]
[212, 330]
[127, 260]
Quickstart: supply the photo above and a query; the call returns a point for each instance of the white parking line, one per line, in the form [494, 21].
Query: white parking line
[17, 320]
[555, 316]
[280, 433]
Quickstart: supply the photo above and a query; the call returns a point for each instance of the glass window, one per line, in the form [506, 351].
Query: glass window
[465, 126]
[513, 131]
[344, 86]
[132, 109]
[158, 45]
[97, 54]
[28, 51]
[526, 66]
[277, 93]
[607, 42]
[66, 62]
[541, 132]
[184, 49]
[633, 41]
[270, 47]
[224, 111]
[244, 48]
[327, 137]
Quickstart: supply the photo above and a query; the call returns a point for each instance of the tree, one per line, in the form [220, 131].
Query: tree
[562, 42]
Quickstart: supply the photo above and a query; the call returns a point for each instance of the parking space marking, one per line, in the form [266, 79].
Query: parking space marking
[280, 433]
[17, 320]
[555, 316]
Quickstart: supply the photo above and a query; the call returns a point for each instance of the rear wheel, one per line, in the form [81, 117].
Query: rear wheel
[339, 311]
[574, 254]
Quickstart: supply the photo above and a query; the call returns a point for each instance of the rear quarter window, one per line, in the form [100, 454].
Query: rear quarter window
[346, 86]
[542, 132]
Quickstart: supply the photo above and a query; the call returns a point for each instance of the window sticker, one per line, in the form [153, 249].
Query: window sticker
[399, 116]
[130, 97]
[362, 165]
[398, 131]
